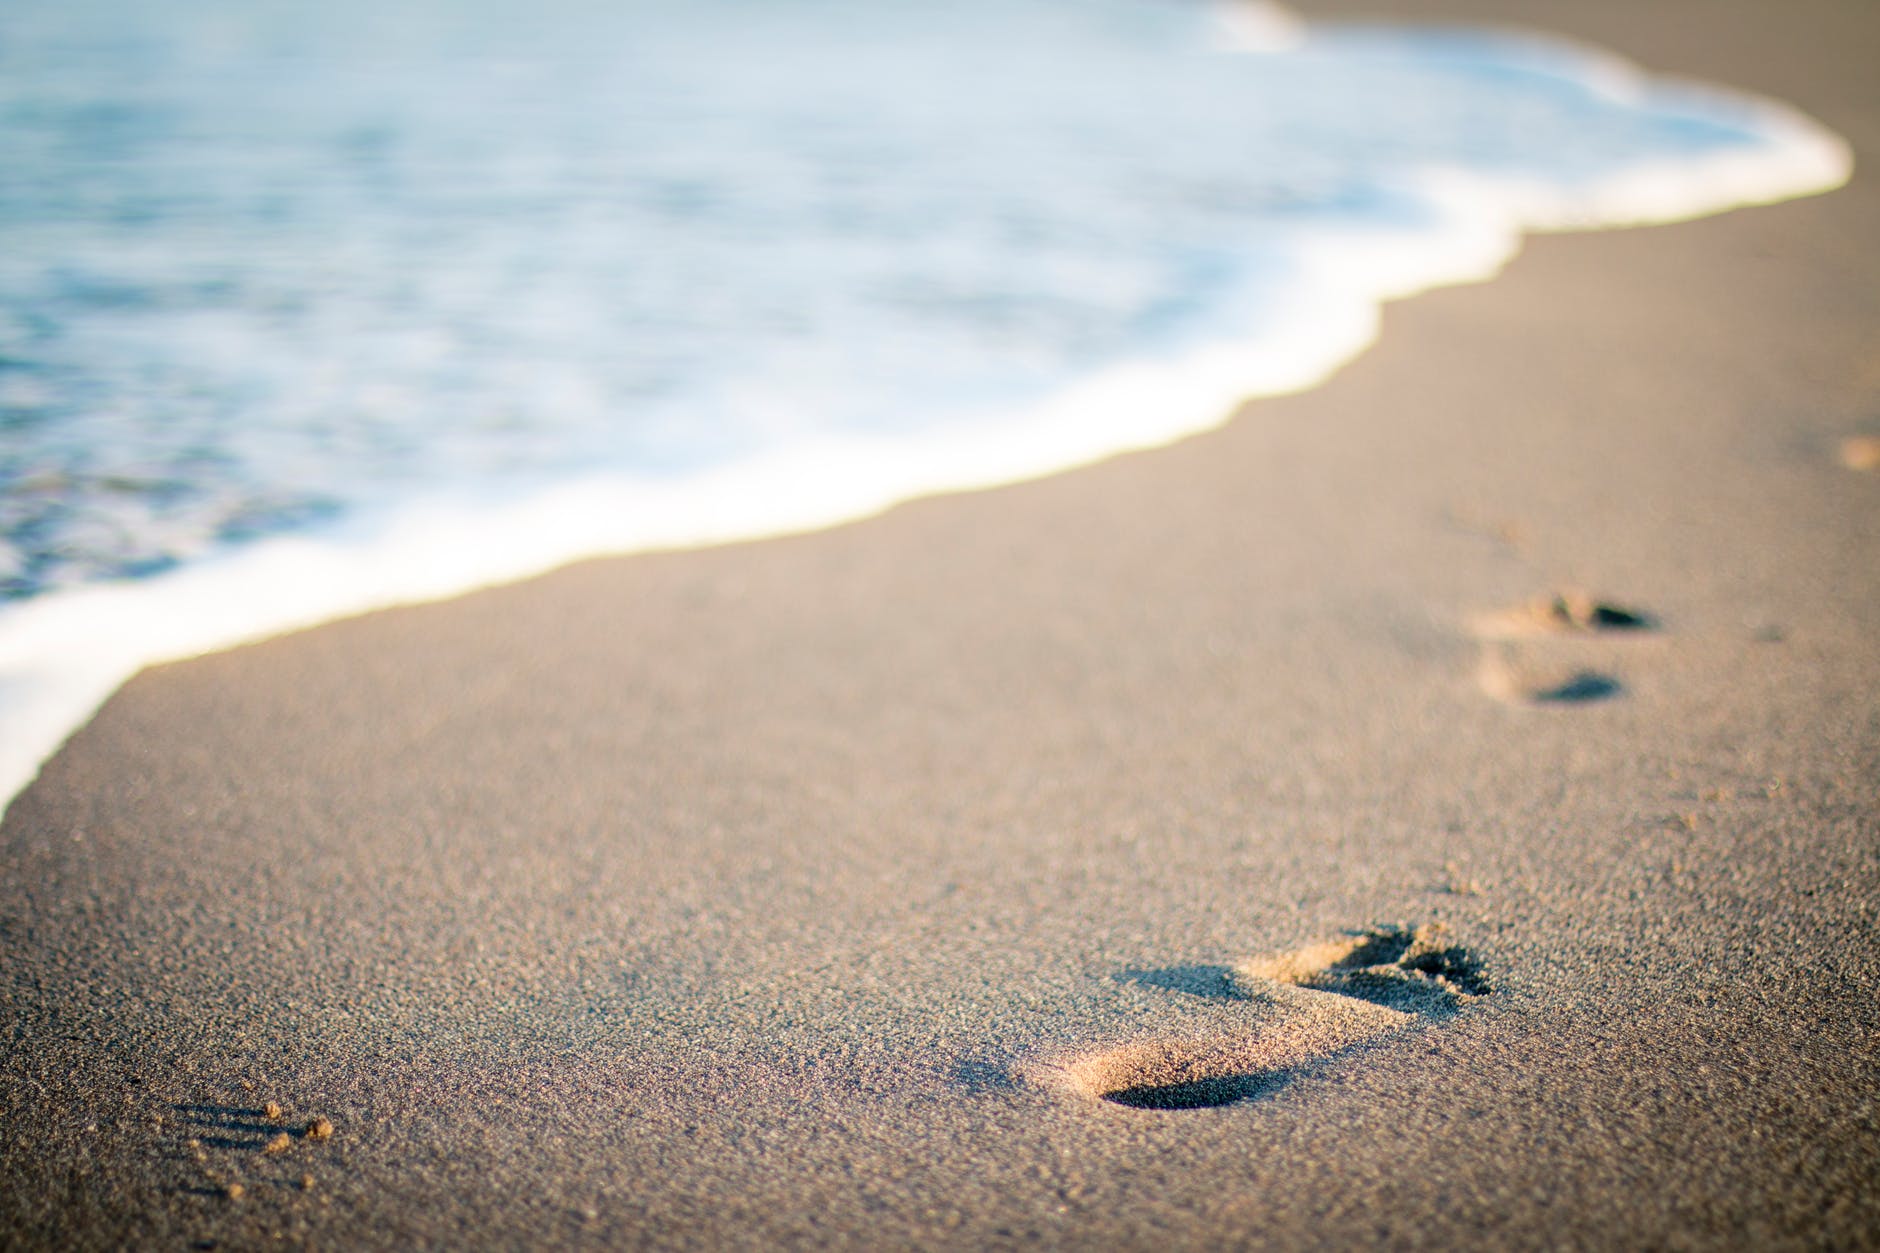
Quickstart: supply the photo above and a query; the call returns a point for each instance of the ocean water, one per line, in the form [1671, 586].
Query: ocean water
[309, 309]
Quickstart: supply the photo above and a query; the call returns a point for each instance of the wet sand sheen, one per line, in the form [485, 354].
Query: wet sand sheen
[725, 897]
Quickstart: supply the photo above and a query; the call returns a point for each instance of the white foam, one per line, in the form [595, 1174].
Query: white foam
[63, 654]
[1799, 157]
[1257, 26]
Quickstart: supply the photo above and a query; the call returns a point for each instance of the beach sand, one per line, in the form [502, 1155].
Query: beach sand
[817, 891]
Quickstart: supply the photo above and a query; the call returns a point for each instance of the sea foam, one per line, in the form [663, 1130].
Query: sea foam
[1180, 267]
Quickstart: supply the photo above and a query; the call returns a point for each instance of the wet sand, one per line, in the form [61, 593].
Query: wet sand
[1440, 808]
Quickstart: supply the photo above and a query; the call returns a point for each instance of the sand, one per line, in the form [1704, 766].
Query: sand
[817, 891]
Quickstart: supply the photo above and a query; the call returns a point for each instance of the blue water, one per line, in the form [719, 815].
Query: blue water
[263, 265]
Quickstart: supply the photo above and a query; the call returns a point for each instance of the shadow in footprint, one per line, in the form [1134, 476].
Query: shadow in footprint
[1500, 677]
[222, 1115]
[1582, 688]
[1613, 618]
[243, 1128]
[1198, 1093]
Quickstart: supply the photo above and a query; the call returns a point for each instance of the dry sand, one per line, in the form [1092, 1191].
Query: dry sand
[814, 891]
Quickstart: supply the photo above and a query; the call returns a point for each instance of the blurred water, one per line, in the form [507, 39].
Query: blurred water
[263, 265]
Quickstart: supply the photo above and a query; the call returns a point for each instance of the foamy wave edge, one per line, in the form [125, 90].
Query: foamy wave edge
[63, 655]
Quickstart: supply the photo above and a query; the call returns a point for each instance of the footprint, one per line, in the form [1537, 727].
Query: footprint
[1414, 971]
[1300, 1007]
[1517, 680]
[225, 1150]
[1563, 613]
[1522, 661]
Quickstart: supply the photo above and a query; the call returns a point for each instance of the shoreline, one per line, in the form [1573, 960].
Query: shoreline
[731, 895]
[64, 652]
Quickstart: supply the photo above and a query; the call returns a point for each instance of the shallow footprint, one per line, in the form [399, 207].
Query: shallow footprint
[1303, 1006]
[1537, 681]
[1535, 674]
[1562, 613]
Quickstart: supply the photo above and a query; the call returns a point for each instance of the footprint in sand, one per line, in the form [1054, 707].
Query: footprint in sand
[222, 1144]
[1300, 1007]
[1534, 653]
